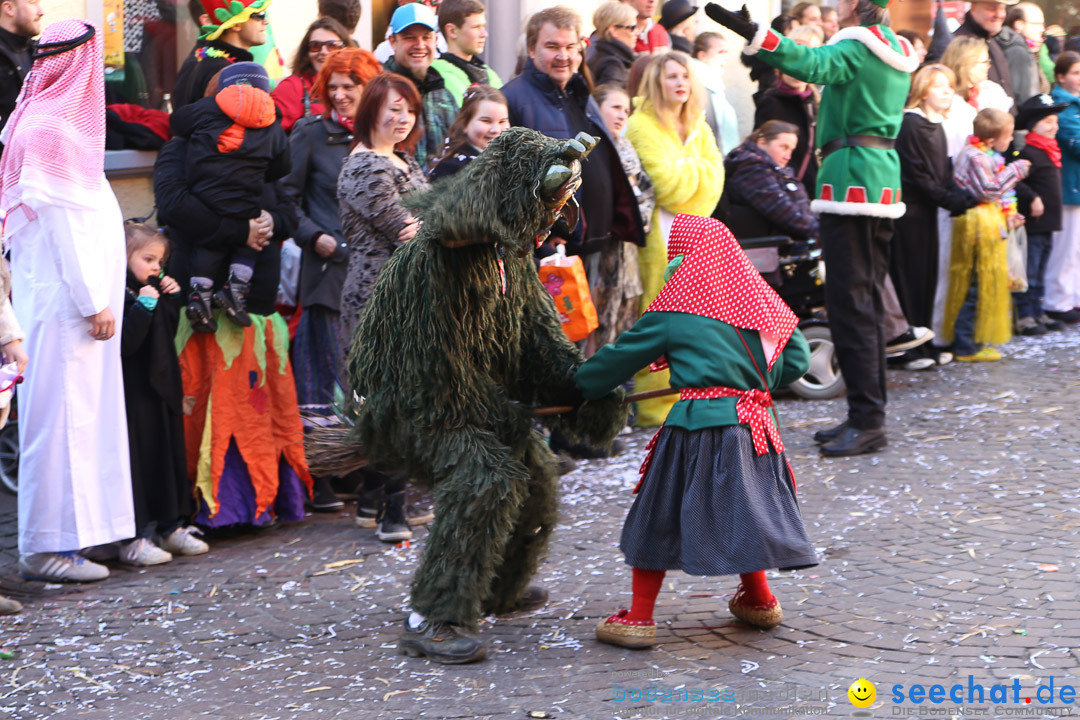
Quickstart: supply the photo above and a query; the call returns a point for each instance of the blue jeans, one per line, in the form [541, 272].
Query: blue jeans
[1029, 303]
[964, 332]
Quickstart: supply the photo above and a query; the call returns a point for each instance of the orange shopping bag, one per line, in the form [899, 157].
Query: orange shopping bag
[564, 277]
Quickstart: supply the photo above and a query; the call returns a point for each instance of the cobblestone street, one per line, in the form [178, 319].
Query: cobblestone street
[952, 553]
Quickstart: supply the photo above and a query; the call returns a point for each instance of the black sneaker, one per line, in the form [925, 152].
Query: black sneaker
[1070, 317]
[442, 642]
[1029, 326]
[323, 498]
[1049, 323]
[198, 311]
[232, 298]
[913, 337]
[393, 525]
[580, 451]
[367, 505]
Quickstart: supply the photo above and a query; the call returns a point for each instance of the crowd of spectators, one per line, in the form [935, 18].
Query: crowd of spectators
[989, 152]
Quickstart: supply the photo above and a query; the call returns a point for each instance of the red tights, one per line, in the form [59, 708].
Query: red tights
[647, 584]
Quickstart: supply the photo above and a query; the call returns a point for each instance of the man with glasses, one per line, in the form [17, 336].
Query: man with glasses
[985, 20]
[230, 28]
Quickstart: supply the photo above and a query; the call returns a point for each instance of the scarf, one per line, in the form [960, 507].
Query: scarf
[715, 279]
[1047, 145]
[783, 87]
[55, 138]
[345, 122]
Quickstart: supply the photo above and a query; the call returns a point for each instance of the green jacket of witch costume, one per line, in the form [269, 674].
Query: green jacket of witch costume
[866, 73]
[702, 353]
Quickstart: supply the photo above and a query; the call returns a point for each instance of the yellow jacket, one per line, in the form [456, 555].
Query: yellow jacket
[688, 178]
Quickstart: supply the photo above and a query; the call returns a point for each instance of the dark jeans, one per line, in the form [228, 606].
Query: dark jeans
[964, 332]
[210, 262]
[856, 251]
[1029, 303]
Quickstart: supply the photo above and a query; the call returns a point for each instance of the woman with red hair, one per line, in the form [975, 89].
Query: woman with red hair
[318, 146]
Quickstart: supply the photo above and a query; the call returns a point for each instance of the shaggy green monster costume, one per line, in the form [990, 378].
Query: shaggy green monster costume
[457, 344]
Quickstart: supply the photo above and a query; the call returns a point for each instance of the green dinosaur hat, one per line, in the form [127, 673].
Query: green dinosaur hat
[225, 14]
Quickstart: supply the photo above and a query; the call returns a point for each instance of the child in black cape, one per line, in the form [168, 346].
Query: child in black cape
[154, 397]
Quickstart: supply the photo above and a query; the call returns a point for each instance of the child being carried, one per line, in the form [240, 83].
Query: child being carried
[235, 146]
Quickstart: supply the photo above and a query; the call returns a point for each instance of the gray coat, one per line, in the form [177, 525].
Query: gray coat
[1023, 69]
[318, 147]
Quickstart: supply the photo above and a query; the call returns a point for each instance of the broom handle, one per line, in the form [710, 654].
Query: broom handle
[632, 397]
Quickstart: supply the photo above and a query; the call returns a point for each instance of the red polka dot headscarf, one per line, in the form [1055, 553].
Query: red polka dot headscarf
[717, 280]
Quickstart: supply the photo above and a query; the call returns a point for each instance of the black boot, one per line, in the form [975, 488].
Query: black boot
[323, 498]
[853, 441]
[198, 311]
[441, 642]
[232, 298]
[823, 436]
[534, 598]
[393, 526]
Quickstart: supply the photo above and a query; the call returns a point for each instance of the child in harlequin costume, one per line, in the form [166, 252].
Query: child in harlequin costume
[978, 307]
[717, 495]
[865, 68]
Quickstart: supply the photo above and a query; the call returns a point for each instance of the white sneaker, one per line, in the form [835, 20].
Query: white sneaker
[60, 567]
[182, 541]
[141, 551]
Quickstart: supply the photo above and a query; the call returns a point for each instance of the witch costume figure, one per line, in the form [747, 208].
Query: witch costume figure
[66, 235]
[717, 496]
[456, 344]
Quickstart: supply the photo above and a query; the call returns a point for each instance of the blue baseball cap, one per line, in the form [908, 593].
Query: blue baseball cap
[413, 14]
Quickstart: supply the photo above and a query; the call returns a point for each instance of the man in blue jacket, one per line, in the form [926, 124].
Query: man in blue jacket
[550, 96]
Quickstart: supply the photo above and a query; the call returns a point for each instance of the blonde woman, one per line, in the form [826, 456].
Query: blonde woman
[612, 52]
[679, 154]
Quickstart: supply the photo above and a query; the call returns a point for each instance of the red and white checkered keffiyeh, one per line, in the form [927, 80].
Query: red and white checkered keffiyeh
[54, 150]
[717, 280]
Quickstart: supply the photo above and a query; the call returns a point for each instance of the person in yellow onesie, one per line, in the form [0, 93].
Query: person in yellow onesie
[678, 152]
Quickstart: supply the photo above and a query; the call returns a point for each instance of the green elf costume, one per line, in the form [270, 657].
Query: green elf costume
[212, 54]
[865, 69]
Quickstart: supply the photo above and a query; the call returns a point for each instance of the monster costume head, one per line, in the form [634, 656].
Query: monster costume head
[514, 193]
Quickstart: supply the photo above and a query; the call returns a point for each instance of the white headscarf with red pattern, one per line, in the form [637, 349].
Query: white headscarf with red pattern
[717, 280]
[54, 150]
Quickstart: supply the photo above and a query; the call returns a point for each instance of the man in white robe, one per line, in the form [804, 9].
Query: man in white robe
[65, 232]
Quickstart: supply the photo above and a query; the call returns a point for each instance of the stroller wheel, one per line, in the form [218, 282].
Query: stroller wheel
[823, 380]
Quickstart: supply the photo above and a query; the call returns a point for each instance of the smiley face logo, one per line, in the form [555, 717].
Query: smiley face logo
[862, 693]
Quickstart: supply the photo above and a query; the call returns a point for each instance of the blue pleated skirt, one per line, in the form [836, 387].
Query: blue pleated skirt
[709, 505]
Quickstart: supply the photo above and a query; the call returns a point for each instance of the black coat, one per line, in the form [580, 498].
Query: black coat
[453, 162]
[1044, 181]
[926, 184]
[153, 396]
[15, 51]
[800, 112]
[999, 64]
[195, 73]
[318, 147]
[229, 183]
[189, 222]
[608, 204]
[609, 61]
